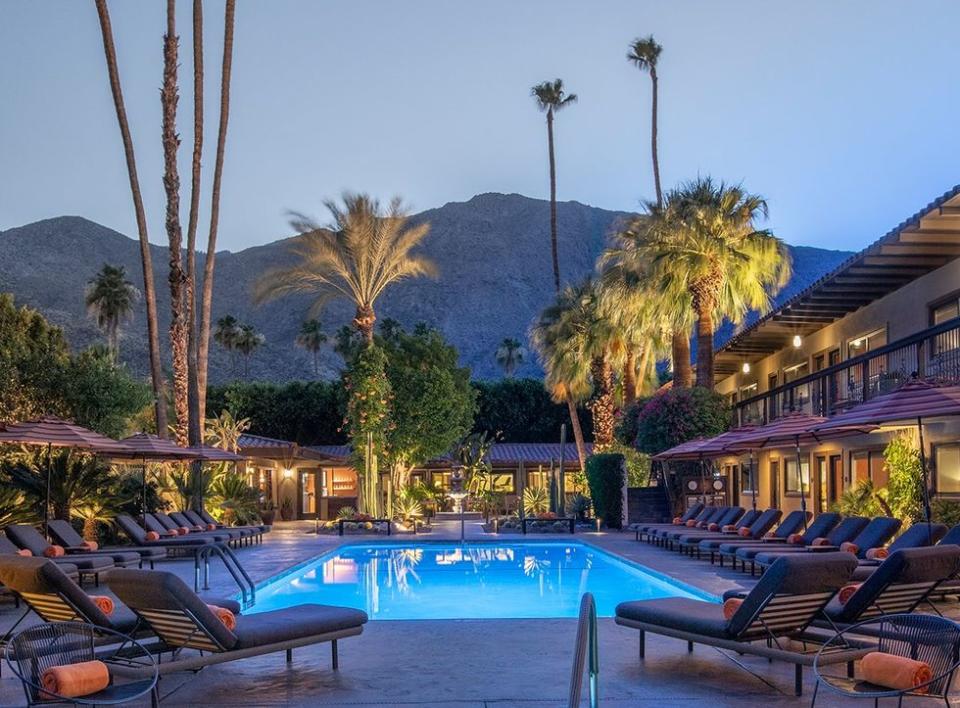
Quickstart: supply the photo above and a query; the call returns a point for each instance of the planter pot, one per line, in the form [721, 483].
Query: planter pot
[268, 517]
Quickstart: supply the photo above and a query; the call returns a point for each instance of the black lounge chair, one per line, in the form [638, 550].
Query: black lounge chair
[730, 516]
[789, 596]
[183, 621]
[791, 524]
[68, 537]
[238, 534]
[709, 515]
[715, 529]
[163, 525]
[920, 535]
[28, 537]
[8, 548]
[138, 535]
[756, 523]
[876, 534]
[820, 526]
[87, 567]
[844, 532]
[643, 530]
[204, 515]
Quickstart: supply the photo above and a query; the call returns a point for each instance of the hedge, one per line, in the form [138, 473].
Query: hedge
[605, 475]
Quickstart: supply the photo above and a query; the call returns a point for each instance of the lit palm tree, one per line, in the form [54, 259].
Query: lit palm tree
[110, 298]
[644, 53]
[364, 251]
[247, 342]
[715, 251]
[153, 337]
[510, 354]
[311, 338]
[551, 98]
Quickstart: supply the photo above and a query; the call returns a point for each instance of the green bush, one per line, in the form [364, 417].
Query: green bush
[905, 483]
[520, 410]
[946, 511]
[678, 415]
[605, 475]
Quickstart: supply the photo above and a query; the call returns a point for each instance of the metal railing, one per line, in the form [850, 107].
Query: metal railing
[585, 656]
[933, 352]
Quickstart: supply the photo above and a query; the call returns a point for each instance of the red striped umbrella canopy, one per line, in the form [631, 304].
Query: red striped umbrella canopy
[914, 400]
[145, 446]
[689, 450]
[794, 429]
[706, 448]
[209, 453]
[57, 432]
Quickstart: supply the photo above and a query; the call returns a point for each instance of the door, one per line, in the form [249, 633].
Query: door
[822, 484]
[835, 390]
[308, 497]
[775, 484]
[836, 478]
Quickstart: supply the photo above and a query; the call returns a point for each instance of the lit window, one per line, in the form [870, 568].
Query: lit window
[790, 473]
[948, 469]
[746, 484]
[502, 483]
[866, 343]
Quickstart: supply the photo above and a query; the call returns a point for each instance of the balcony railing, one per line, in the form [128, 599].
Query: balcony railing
[933, 353]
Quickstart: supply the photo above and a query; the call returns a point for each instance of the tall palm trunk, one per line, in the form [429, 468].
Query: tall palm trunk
[149, 291]
[171, 184]
[653, 138]
[195, 428]
[577, 433]
[630, 377]
[705, 330]
[364, 321]
[602, 405]
[203, 349]
[553, 202]
[642, 367]
[680, 348]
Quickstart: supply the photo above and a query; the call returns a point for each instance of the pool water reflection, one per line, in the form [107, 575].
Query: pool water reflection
[472, 581]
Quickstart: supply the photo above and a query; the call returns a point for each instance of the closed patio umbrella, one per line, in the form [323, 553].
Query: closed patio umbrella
[52, 432]
[690, 451]
[796, 428]
[909, 404]
[144, 446]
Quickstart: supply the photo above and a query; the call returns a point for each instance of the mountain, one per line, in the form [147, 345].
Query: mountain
[492, 252]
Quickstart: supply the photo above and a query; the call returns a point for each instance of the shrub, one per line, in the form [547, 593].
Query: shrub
[605, 475]
[905, 484]
[535, 500]
[520, 410]
[578, 506]
[946, 511]
[346, 512]
[625, 431]
[678, 415]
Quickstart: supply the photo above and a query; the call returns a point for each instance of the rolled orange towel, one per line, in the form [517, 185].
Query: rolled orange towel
[25, 552]
[75, 680]
[677, 521]
[91, 545]
[820, 541]
[849, 547]
[211, 527]
[770, 534]
[877, 553]
[103, 603]
[171, 532]
[713, 527]
[224, 615]
[731, 606]
[795, 538]
[54, 551]
[691, 523]
[846, 592]
[152, 536]
[726, 528]
[897, 672]
[183, 530]
[744, 531]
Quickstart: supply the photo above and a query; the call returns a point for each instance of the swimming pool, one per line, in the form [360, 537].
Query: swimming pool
[470, 581]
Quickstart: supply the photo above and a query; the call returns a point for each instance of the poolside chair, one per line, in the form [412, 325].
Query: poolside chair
[8, 548]
[876, 534]
[87, 567]
[68, 537]
[791, 524]
[752, 525]
[821, 526]
[183, 621]
[730, 516]
[919, 535]
[789, 596]
[138, 535]
[31, 539]
[844, 532]
[702, 520]
[236, 533]
[163, 525]
[692, 512]
[204, 515]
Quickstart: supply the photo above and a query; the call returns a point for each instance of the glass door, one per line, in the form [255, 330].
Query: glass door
[309, 496]
[822, 483]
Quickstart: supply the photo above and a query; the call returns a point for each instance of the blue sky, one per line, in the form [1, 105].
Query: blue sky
[842, 114]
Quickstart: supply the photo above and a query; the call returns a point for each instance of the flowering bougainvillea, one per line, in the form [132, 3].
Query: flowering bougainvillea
[678, 415]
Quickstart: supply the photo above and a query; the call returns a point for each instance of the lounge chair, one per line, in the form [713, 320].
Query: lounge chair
[715, 529]
[87, 567]
[820, 526]
[756, 529]
[730, 516]
[164, 525]
[68, 537]
[8, 548]
[727, 548]
[204, 515]
[28, 537]
[789, 596]
[138, 535]
[703, 520]
[692, 512]
[237, 533]
[844, 532]
[875, 535]
[919, 535]
[183, 621]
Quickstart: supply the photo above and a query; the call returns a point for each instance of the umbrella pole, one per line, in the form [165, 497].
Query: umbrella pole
[753, 482]
[803, 495]
[703, 481]
[46, 504]
[144, 500]
[926, 486]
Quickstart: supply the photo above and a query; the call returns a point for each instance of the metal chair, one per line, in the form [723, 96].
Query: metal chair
[38, 648]
[928, 638]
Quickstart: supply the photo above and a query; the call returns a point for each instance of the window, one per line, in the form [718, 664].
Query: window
[441, 479]
[746, 485]
[866, 343]
[947, 461]
[502, 482]
[748, 391]
[868, 464]
[790, 475]
[948, 341]
[575, 483]
[772, 381]
[798, 371]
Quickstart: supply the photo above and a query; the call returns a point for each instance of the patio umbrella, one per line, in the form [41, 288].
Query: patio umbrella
[54, 432]
[797, 428]
[690, 451]
[911, 403]
[144, 446]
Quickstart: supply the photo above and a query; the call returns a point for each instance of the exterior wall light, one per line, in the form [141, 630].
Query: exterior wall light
[746, 367]
[797, 341]
[287, 473]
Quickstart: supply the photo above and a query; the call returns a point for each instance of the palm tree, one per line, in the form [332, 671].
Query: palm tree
[247, 342]
[551, 98]
[714, 250]
[110, 298]
[644, 53]
[206, 304]
[510, 354]
[228, 327]
[153, 337]
[364, 250]
[311, 338]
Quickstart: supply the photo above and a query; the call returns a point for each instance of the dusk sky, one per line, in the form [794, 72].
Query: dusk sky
[843, 114]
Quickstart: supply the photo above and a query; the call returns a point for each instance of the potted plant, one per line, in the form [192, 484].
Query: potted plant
[286, 509]
[268, 512]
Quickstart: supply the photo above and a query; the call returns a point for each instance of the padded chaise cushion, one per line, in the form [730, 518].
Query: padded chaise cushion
[680, 613]
[294, 623]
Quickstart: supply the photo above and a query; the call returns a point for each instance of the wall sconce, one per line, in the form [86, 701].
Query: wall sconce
[746, 367]
[797, 341]
[287, 473]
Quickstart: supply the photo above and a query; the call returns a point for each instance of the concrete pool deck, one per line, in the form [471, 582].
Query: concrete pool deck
[475, 663]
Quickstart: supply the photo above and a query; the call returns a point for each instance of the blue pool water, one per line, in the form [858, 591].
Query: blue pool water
[472, 581]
